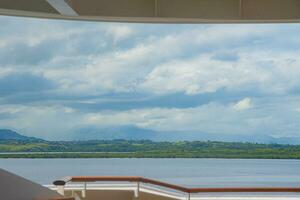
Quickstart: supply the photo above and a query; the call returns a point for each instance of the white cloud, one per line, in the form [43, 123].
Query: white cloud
[69, 110]
[6, 71]
[267, 72]
[210, 118]
[269, 117]
[120, 32]
[154, 63]
[200, 75]
[48, 122]
[11, 109]
[243, 104]
[160, 62]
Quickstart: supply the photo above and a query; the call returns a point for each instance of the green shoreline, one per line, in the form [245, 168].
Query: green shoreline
[136, 155]
[146, 149]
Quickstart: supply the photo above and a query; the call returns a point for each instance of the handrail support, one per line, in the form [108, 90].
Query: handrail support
[61, 189]
[136, 192]
[84, 190]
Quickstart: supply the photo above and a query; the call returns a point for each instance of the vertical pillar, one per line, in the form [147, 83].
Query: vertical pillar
[76, 196]
[136, 192]
[84, 190]
[241, 9]
[61, 189]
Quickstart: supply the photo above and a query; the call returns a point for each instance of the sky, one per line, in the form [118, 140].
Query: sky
[60, 76]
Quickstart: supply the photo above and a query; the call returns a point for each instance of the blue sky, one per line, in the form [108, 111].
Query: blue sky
[59, 76]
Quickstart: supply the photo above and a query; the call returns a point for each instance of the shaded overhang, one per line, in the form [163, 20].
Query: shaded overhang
[158, 11]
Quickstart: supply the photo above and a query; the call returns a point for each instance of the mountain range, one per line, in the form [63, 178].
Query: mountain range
[6, 134]
[136, 133]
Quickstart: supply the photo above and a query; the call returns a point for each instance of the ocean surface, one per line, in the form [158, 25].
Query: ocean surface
[186, 172]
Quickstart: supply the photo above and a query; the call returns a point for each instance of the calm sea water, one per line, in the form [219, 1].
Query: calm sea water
[188, 172]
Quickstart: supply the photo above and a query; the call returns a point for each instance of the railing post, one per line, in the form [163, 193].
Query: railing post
[61, 189]
[136, 192]
[189, 196]
[84, 190]
[76, 196]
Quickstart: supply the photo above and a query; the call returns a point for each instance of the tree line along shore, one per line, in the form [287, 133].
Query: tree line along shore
[145, 149]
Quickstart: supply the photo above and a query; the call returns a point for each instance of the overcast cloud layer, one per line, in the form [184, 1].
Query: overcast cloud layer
[57, 76]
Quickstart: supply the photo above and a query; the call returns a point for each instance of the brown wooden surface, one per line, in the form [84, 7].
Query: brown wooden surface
[57, 198]
[104, 178]
[172, 186]
[262, 189]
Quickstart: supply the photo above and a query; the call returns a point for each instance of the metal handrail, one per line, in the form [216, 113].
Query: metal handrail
[85, 179]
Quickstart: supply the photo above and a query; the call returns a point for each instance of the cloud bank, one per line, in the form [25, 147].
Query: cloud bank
[228, 79]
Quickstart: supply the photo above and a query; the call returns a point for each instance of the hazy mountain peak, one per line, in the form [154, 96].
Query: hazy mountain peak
[7, 134]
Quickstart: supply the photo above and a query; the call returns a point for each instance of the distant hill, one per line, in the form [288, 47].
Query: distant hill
[112, 133]
[133, 133]
[136, 133]
[6, 134]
